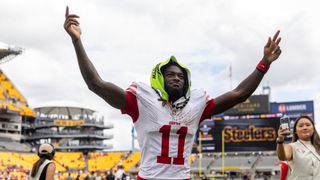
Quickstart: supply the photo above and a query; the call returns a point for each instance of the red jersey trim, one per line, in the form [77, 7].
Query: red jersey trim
[208, 111]
[131, 107]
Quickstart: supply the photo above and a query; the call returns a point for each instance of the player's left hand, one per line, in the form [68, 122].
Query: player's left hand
[272, 49]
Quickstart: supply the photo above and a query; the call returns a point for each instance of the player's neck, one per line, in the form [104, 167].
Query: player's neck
[173, 99]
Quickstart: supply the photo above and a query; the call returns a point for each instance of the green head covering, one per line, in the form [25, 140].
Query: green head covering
[157, 79]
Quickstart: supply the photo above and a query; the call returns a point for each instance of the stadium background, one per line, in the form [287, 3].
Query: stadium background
[81, 136]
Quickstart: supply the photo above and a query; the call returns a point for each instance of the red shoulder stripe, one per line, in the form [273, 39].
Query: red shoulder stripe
[131, 107]
[208, 111]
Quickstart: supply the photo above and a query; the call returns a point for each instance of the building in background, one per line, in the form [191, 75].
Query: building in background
[8, 52]
[68, 129]
[14, 107]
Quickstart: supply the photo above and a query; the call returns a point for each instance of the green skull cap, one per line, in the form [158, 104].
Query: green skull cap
[157, 79]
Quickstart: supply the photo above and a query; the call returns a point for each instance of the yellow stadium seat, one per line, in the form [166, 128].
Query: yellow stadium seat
[132, 160]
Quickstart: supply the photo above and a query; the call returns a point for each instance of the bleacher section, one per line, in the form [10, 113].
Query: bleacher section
[70, 160]
[131, 161]
[104, 161]
[267, 164]
[100, 162]
[13, 159]
[234, 163]
[11, 100]
[25, 160]
[6, 145]
[203, 165]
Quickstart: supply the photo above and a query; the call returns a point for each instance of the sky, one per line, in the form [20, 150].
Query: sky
[125, 39]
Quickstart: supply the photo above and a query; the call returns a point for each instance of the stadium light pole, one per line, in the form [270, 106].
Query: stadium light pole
[132, 136]
[200, 154]
[222, 150]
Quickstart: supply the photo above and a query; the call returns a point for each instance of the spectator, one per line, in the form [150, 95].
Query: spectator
[69, 177]
[303, 154]
[78, 177]
[44, 168]
[109, 175]
[120, 173]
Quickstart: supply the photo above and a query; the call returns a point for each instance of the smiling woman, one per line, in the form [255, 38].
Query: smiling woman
[303, 154]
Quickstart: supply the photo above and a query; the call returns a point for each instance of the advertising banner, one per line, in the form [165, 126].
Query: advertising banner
[204, 137]
[255, 104]
[246, 135]
[62, 122]
[294, 109]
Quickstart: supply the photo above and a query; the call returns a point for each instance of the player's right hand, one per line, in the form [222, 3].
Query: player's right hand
[71, 25]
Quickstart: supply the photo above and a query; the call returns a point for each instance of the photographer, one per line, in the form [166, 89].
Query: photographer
[303, 154]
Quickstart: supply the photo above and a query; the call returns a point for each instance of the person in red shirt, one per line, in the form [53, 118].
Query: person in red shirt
[283, 170]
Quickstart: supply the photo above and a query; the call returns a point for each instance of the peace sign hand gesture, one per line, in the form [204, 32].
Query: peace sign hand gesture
[71, 25]
[272, 49]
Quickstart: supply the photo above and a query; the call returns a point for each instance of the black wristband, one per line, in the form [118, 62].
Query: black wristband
[279, 142]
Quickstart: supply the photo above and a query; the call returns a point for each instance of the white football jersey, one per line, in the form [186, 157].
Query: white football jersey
[165, 136]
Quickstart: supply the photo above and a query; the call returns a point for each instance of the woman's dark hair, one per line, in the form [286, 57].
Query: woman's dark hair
[315, 139]
[37, 165]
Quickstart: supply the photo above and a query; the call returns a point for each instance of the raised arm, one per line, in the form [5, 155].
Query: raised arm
[284, 151]
[112, 94]
[248, 86]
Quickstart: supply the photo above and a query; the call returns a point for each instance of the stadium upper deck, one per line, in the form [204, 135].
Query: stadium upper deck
[68, 129]
[13, 106]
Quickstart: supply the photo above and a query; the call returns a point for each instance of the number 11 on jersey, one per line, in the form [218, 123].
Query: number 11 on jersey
[164, 158]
